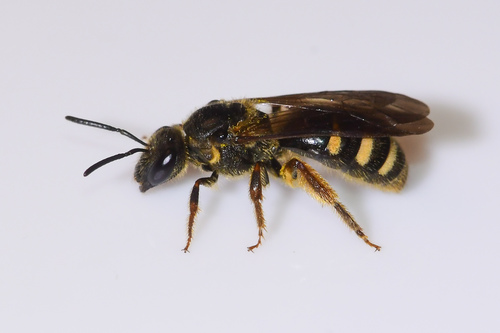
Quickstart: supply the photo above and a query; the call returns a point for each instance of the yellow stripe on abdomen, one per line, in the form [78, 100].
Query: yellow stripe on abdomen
[365, 151]
[334, 145]
[390, 160]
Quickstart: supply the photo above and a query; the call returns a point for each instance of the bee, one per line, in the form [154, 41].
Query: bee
[349, 131]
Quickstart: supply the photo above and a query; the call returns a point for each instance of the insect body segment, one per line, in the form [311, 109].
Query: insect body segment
[350, 131]
[377, 161]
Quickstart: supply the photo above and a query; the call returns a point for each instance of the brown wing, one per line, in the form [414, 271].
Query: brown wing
[339, 113]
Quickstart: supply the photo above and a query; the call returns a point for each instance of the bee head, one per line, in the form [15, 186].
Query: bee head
[162, 158]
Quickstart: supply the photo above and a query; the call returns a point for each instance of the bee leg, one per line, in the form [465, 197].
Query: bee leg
[275, 167]
[258, 179]
[296, 172]
[193, 204]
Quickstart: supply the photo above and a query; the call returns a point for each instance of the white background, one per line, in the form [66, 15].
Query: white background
[96, 255]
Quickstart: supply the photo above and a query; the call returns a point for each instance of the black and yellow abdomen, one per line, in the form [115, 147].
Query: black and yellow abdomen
[377, 161]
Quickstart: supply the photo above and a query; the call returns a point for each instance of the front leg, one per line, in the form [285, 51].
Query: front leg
[258, 179]
[193, 204]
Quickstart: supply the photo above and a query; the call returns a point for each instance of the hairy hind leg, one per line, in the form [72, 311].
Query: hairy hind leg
[258, 180]
[296, 172]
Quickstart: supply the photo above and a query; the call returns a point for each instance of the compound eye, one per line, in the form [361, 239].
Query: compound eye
[162, 169]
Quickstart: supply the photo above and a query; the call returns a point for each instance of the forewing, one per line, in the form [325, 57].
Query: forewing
[338, 113]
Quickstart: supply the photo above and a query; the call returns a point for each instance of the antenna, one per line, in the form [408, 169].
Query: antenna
[107, 160]
[92, 123]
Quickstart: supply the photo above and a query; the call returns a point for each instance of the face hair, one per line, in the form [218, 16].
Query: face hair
[112, 129]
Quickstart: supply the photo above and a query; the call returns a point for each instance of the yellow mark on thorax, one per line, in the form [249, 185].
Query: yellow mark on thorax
[215, 155]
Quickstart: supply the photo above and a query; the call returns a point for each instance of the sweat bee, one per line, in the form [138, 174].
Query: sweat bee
[350, 131]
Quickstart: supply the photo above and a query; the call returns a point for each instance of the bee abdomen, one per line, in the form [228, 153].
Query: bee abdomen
[377, 161]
